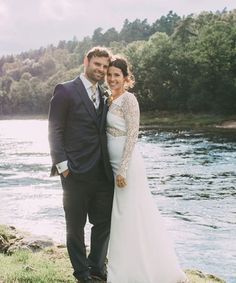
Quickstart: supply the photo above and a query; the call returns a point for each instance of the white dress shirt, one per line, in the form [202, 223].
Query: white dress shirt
[89, 86]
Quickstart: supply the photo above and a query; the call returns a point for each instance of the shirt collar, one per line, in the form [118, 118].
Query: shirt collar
[86, 82]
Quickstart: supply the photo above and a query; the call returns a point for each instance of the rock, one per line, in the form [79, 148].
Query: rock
[37, 242]
[199, 276]
[4, 244]
[32, 243]
[228, 125]
[12, 240]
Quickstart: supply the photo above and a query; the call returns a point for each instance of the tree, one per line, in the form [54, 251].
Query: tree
[151, 68]
[215, 56]
[81, 49]
[137, 30]
[109, 36]
[185, 29]
[97, 37]
[166, 23]
[186, 64]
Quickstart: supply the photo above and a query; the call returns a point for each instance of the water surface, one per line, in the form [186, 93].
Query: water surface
[192, 176]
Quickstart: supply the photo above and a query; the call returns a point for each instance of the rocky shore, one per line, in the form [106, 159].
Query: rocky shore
[227, 125]
[28, 258]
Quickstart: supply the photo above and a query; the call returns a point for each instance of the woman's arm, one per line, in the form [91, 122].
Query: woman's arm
[131, 111]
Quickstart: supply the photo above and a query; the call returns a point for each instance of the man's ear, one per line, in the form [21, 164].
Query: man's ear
[86, 61]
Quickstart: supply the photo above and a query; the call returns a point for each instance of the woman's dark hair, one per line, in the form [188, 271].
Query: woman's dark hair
[122, 63]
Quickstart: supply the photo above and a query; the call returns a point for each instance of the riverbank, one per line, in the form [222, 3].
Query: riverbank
[163, 119]
[27, 258]
[186, 120]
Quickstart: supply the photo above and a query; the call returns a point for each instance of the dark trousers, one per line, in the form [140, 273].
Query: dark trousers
[89, 194]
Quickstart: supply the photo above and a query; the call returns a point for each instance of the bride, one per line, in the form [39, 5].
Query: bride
[139, 248]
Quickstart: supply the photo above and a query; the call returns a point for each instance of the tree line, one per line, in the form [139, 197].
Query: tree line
[181, 64]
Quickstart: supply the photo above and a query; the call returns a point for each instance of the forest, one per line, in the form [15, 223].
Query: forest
[181, 64]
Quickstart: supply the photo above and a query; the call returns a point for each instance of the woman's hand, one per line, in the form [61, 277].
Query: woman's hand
[120, 181]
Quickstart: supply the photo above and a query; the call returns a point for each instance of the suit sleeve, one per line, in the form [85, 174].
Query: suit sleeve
[57, 119]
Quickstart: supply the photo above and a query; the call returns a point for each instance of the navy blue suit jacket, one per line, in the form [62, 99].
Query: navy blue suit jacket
[76, 133]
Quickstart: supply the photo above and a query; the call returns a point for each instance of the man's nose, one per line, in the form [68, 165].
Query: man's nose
[102, 68]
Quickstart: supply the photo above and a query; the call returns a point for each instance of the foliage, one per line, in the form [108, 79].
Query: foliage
[183, 64]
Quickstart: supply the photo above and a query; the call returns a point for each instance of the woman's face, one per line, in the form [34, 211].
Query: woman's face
[115, 79]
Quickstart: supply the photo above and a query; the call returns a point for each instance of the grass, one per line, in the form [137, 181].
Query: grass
[166, 119]
[52, 265]
[47, 266]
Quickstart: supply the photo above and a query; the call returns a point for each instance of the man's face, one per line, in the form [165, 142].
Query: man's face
[96, 68]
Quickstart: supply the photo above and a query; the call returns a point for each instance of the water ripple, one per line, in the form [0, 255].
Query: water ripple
[192, 177]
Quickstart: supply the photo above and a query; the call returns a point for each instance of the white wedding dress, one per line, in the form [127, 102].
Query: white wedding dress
[139, 248]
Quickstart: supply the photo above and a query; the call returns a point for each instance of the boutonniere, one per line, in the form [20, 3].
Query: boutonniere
[107, 94]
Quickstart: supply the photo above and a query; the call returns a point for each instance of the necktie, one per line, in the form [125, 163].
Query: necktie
[94, 98]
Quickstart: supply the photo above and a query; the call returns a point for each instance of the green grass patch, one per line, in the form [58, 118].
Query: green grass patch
[166, 119]
[52, 265]
[41, 267]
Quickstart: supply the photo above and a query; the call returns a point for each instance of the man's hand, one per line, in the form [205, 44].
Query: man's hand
[120, 181]
[65, 173]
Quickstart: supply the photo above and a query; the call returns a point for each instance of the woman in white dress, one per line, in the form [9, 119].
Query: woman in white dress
[139, 248]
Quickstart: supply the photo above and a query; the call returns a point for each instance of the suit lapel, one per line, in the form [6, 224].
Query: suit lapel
[84, 96]
[104, 109]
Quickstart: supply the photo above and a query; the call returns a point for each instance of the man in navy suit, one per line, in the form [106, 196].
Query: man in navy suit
[78, 147]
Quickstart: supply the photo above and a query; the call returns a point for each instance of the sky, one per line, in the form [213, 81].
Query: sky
[30, 24]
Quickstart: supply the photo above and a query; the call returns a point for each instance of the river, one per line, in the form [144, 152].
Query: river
[192, 177]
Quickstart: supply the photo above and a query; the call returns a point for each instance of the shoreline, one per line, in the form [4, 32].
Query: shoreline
[162, 120]
[227, 125]
[41, 259]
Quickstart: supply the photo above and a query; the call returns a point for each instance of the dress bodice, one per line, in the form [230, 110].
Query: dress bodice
[123, 120]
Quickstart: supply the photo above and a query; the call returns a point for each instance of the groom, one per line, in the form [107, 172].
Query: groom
[79, 154]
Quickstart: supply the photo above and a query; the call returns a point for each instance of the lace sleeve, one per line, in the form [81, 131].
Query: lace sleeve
[131, 115]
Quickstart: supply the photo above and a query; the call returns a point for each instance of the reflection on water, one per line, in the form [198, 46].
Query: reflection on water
[191, 174]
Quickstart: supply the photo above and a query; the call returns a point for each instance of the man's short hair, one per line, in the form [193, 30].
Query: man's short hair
[98, 51]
